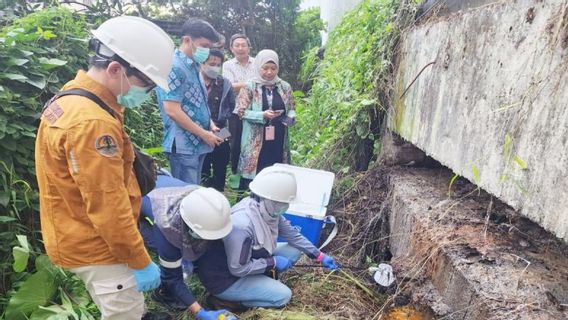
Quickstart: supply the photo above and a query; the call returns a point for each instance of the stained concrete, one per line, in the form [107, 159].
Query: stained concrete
[470, 256]
[493, 107]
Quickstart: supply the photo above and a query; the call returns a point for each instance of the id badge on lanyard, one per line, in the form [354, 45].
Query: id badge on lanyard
[269, 133]
[269, 130]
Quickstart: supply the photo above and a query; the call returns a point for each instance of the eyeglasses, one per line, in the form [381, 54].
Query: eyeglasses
[149, 85]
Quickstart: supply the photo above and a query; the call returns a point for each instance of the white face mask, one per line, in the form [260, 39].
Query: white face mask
[275, 208]
[211, 72]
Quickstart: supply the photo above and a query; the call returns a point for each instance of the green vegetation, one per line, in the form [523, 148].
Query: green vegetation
[340, 119]
[38, 53]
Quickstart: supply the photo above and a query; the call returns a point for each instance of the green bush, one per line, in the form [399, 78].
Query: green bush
[339, 122]
[38, 54]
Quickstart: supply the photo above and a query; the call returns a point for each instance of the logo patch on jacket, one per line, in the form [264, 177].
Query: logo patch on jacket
[53, 112]
[106, 145]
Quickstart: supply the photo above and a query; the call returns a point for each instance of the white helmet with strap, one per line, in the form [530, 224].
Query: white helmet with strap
[276, 184]
[207, 212]
[141, 43]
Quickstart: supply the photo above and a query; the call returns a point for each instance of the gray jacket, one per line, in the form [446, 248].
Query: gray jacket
[242, 259]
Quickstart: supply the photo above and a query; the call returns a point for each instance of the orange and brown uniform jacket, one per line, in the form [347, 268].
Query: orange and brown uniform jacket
[89, 196]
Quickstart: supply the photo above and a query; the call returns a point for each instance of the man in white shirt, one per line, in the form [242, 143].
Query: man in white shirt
[239, 69]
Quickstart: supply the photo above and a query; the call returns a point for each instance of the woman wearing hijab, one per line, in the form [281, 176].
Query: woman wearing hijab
[266, 106]
[240, 271]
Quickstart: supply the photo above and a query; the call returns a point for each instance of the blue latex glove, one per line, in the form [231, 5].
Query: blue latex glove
[210, 315]
[147, 278]
[329, 263]
[281, 263]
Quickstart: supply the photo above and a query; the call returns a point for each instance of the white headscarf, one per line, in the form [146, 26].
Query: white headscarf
[262, 58]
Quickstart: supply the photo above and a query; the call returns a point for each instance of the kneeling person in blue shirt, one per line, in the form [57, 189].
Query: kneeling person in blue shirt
[238, 268]
[185, 218]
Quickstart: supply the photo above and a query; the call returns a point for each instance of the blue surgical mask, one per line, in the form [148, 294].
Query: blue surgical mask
[200, 54]
[134, 97]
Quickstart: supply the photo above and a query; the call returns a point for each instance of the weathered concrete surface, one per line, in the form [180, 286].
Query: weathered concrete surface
[396, 151]
[471, 257]
[493, 107]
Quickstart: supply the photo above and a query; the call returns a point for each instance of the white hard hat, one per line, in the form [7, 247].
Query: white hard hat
[276, 184]
[207, 212]
[141, 43]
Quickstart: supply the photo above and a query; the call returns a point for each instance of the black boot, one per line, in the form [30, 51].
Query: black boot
[157, 316]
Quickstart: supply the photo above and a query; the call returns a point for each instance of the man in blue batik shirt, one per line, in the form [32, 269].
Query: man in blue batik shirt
[189, 131]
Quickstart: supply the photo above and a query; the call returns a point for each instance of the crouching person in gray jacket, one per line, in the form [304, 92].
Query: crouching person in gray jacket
[187, 218]
[239, 268]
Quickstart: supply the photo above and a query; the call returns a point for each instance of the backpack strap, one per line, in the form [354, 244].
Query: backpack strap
[84, 93]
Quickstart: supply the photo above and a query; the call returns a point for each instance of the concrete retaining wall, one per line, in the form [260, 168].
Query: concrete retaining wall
[493, 107]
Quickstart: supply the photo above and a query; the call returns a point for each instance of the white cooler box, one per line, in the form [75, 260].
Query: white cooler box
[307, 212]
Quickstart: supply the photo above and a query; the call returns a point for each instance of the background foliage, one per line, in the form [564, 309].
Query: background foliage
[38, 53]
[339, 122]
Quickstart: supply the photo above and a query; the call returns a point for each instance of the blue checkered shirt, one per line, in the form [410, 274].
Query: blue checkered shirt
[186, 87]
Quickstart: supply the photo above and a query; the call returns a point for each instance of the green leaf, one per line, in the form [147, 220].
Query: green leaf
[520, 162]
[15, 76]
[452, 181]
[23, 240]
[47, 35]
[153, 151]
[51, 313]
[38, 82]
[37, 290]
[4, 198]
[21, 254]
[26, 53]
[43, 262]
[476, 175]
[17, 62]
[21, 257]
[51, 63]
[5, 219]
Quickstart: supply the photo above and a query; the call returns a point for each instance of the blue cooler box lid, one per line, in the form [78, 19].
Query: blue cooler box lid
[314, 191]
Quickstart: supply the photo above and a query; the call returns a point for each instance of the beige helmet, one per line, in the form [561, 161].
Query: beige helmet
[141, 43]
[207, 212]
[276, 184]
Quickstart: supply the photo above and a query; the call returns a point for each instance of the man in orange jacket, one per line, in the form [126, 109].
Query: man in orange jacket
[89, 195]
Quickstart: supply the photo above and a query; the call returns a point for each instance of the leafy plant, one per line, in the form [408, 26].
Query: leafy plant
[145, 128]
[339, 122]
[38, 53]
[47, 293]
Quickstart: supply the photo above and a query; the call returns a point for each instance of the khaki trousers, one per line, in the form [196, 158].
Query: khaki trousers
[113, 289]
